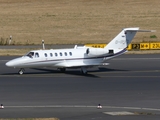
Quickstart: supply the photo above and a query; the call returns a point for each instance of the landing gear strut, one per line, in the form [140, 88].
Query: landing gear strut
[21, 71]
[83, 70]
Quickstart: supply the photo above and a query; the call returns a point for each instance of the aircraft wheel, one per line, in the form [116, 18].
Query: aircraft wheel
[21, 71]
[84, 73]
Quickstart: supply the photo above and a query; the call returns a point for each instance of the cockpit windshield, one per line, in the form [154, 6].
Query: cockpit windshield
[30, 54]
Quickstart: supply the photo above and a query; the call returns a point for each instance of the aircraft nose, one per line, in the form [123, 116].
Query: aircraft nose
[17, 62]
[9, 64]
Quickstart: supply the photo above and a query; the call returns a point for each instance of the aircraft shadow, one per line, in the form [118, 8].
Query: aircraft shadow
[68, 72]
[75, 72]
[104, 69]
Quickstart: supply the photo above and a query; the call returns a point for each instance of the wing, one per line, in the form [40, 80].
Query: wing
[79, 64]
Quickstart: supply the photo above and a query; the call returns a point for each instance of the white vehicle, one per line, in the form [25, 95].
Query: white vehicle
[77, 57]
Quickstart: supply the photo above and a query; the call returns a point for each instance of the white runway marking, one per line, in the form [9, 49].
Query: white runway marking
[84, 106]
[119, 113]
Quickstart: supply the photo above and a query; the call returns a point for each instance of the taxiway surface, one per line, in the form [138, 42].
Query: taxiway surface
[130, 84]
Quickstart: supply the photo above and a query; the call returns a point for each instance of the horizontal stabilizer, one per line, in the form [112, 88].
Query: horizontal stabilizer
[140, 31]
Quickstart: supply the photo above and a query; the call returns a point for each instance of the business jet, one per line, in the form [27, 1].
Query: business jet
[78, 57]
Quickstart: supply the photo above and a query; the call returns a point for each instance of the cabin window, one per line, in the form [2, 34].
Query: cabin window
[36, 55]
[65, 54]
[56, 54]
[51, 54]
[60, 54]
[70, 53]
[45, 54]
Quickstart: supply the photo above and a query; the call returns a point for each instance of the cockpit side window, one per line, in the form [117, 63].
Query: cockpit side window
[30, 54]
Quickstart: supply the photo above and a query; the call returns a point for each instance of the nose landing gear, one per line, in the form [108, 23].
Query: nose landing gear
[21, 71]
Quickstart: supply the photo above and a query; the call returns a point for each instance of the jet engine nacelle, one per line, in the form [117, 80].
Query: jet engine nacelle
[96, 51]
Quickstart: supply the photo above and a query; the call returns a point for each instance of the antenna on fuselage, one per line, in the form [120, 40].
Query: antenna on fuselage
[43, 45]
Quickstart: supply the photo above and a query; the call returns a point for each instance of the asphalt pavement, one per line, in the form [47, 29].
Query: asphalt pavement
[128, 88]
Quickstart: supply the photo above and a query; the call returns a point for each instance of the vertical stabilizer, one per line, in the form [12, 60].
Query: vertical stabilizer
[123, 39]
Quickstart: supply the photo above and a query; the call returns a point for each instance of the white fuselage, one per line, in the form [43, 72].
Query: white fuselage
[62, 58]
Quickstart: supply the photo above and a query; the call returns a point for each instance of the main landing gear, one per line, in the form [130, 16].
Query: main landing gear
[84, 70]
[21, 71]
[63, 70]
